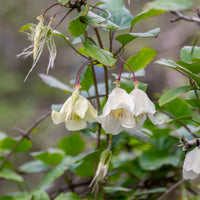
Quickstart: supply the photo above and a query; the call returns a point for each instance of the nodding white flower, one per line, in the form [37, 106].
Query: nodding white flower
[191, 166]
[143, 107]
[39, 36]
[75, 112]
[102, 169]
[118, 112]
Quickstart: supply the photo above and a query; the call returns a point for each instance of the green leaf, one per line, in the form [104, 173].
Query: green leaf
[72, 145]
[63, 2]
[40, 195]
[157, 190]
[101, 55]
[57, 33]
[87, 79]
[111, 189]
[85, 167]
[142, 59]
[8, 143]
[189, 52]
[120, 15]
[35, 166]
[174, 65]
[169, 5]
[146, 14]
[7, 198]
[192, 66]
[53, 82]
[152, 161]
[68, 196]
[50, 157]
[53, 174]
[10, 175]
[97, 21]
[172, 94]
[76, 27]
[128, 37]
[175, 107]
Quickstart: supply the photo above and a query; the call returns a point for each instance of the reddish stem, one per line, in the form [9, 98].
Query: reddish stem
[121, 69]
[123, 61]
[80, 71]
[55, 4]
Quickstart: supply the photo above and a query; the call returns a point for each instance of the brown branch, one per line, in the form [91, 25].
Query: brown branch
[180, 122]
[24, 135]
[180, 16]
[171, 189]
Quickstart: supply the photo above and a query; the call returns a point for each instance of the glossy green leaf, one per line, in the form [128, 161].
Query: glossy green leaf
[40, 195]
[84, 168]
[101, 55]
[10, 175]
[8, 143]
[97, 21]
[120, 15]
[189, 52]
[174, 65]
[63, 2]
[172, 94]
[192, 66]
[69, 196]
[50, 157]
[146, 14]
[128, 37]
[53, 82]
[142, 59]
[72, 145]
[175, 107]
[53, 174]
[87, 79]
[35, 166]
[7, 198]
[76, 27]
[169, 5]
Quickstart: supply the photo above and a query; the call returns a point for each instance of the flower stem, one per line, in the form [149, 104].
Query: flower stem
[123, 61]
[80, 71]
[55, 4]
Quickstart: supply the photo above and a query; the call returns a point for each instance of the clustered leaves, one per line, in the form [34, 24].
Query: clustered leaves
[109, 144]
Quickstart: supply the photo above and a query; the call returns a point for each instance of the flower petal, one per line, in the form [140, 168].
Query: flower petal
[153, 120]
[75, 125]
[81, 107]
[91, 114]
[142, 102]
[57, 117]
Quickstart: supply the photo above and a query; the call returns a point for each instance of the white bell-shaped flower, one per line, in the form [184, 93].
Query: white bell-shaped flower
[191, 166]
[118, 112]
[143, 107]
[75, 112]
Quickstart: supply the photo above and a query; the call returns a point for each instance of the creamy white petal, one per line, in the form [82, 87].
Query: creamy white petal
[91, 114]
[81, 107]
[118, 98]
[153, 120]
[142, 102]
[73, 125]
[57, 117]
[110, 124]
[191, 166]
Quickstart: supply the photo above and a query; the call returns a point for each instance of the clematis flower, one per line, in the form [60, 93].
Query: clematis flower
[75, 112]
[191, 166]
[118, 112]
[143, 107]
[39, 36]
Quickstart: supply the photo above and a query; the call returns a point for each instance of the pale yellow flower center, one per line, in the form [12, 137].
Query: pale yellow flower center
[116, 113]
[139, 117]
